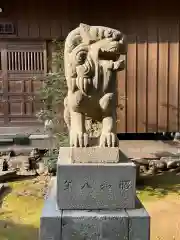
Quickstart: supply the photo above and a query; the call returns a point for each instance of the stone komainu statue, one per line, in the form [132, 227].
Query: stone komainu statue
[92, 56]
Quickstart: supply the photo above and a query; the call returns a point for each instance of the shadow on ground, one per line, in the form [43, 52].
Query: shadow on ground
[145, 136]
[20, 178]
[159, 185]
[12, 231]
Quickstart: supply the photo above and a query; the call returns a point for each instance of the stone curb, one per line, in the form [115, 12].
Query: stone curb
[41, 140]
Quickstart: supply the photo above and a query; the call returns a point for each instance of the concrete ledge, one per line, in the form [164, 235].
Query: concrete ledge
[139, 222]
[38, 136]
[8, 135]
[6, 141]
[50, 222]
[42, 141]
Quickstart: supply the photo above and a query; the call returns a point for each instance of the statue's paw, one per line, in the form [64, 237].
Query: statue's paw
[108, 139]
[119, 65]
[78, 139]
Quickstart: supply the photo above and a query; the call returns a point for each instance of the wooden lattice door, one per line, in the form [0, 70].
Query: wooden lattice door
[22, 68]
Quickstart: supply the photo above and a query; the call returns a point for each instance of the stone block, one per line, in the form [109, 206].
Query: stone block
[139, 222]
[95, 186]
[50, 222]
[94, 225]
[91, 155]
[94, 155]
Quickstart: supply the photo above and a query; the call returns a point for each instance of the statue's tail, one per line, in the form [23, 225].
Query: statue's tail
[67, 117]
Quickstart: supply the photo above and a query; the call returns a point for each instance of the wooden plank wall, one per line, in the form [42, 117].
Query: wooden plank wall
[149, 87]
[40, 29]
[150, 82]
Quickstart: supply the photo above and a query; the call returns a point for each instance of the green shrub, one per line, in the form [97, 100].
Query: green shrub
[21, 140]
[53, 92]
[50, 161]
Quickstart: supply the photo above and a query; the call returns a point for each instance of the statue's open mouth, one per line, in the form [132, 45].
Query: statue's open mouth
[109, 54]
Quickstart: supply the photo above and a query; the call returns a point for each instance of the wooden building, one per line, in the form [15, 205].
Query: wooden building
[148, 89]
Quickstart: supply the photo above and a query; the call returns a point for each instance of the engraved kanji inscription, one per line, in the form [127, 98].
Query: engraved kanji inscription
[86, 185]
[105, 186]
[67, 184]
[125, 185]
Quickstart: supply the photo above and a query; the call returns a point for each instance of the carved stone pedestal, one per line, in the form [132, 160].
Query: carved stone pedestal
[93, 200]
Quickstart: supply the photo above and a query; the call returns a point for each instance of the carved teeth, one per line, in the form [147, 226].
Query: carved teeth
[109, 50]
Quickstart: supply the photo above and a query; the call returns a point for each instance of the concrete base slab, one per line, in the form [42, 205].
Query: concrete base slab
[95, 186]
[139, 222]
[125, 224]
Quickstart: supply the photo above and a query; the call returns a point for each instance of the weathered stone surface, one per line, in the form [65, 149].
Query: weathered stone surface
[95, 186]
[141, 161]
[139, 222]
[85, 225]
[92, 56]
[172, 161]
[90, 155]
[50, 222]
